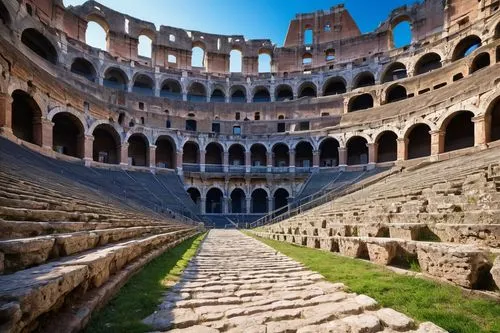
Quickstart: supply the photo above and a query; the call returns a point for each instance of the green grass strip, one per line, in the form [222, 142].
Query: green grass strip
[445, 305]
[141, 295]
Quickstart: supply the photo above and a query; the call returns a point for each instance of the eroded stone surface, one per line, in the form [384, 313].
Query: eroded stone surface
[237, 284]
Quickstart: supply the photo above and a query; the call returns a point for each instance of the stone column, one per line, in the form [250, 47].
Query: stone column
[437, 142]
[249, 204]
[179, 155]
[270, 161]
[402, 149]
[88, 149]
[225, 161]
[481, 134]
[6, 113]
[292, 160]
[248, 161]
[202, 160]
[372, 153]
[342, 157]
[184, 96]
[270, 206]
[43, 133]
[152, 156]
[124, 154]
[225, 205]
[203, 204]
[316, 155]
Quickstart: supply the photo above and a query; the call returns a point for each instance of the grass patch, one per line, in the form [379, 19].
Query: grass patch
[140, 296]
[443, 304]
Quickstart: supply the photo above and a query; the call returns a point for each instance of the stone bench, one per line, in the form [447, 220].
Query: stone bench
[480, 234]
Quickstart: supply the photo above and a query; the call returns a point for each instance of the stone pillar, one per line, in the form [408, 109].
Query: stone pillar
[43, 133]
[316, 155]
[88, 149]
[248, 161]
[225, 161]
[184, 96]
[270, 161]
[152, 156]
[437, 142]
[402, 149]
[342, 157]
[179, 155]
[124, 154]
[481, 134]
[6, 113]
[292, 160]
[372, 153]
[202, 160]
[203, 204]
[225, 205]
[249, 204]
[270, 206]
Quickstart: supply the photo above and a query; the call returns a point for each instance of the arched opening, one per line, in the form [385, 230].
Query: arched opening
[116, 79]
[261, 95]
[364, 79]
[307, 59]
[393, 72]
[198, 57]
[195, 195]
[497, 31]
[387, 147]
[191, 125]
[26, 118]
[401, 34]
[360, 102]
[214, 154]
[281, 155]
[165, 152]
[106, 145]
[171, 89]
[83, 68]
[395, 93]
[419, 141]
[481, 61]
[39, 44]
[4, 15]
[493, 120]
[138, 150]
[218, 96]
[143, 85]
[238, 95]
[284, 92]
[190, 153]
[258, 155]
[280, 198]
[307, 89]
[259, 201]
[264, 63]
[197, 92]
[236, 155]
[357, 151]
[235, 61]
[304, 155]
[334, 86]
[459, 129]
[214, 201]
[308, 36]
[330, 55]
[96, 34]
[329, 153]
[145, 46]
[238, 201]
[465, 47]
[428, 63]
[68, 135]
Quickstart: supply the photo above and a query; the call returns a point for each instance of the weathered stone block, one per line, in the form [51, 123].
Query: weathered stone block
[495, 271]
[381, 251]
[352, 247]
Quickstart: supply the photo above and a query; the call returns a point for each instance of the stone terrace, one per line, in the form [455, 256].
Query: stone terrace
[237, 284]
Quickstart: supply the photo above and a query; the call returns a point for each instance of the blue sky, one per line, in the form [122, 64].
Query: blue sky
[255, 19]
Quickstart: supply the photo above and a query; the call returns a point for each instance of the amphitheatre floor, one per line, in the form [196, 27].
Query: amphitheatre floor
[238, 284]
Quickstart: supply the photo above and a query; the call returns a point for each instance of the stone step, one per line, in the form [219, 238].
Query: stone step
[29, 294]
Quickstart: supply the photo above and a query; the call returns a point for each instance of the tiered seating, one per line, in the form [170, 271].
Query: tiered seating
[318, 181]
[65, 247]
[445, 215]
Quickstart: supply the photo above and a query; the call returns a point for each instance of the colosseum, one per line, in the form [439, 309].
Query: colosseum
[344, 146]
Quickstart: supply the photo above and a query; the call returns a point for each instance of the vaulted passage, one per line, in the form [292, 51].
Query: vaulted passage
[357, 151]
[197, 93]
[393, 72]
[419, 141]
[39, 44]
[171, 89]
[387, 147]
[143, 85]
[138, 150]
[307, 90]
[360, 102]
[480, 61]
[304, 155]
[427, 63]
[68, 135]
[165, 152]
[334, 86]
[465, 47]
[259, 201]
[280, 198]
[459, 131]
[214, 154]
[116, 79]
[281, 155]
[195, 195]
[26, 118]
[261, 95]
[236, 155]
[329, 153]
[493, 119]
[396, 93]
[283, 93]
[214, 201]
[364, 79]
[238, 201]
[106, 147]
[258, 155]
[84, 68]
[191, 153]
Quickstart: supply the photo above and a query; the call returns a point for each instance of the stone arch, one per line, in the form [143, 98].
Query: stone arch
[357, 150]
[261, 94]
[214, 200]
[236, 154]
[492, 120]
[73, 112]
[238, 200]
[283, 92]
[68, 133]
[459, 131]
[145, 43]
[198, 55]
[465, 46]
[258, 155]
[195, 195]
[26, 117]
[166, 152]
[280, 198]
[401, 24]
[238, 94]
[394, 71]
[418, 139]
[107, 142]
[281, 154]
[218, 94]
[360, 102]
[307, 89]
[143, 84]
[83, 67]
[138, 149]
[5, 16]
[304, 154]
[387, 146]
[334, 85]
[171, 88]
[214, 153]
[395, 93]
[265, 60]
[427, 63]
[329, 152]
[190, 152]
[363, 79]
[115, 78]
[482, 60]
[40, 45]
[197, 92]
[260, 200]
[99, 27]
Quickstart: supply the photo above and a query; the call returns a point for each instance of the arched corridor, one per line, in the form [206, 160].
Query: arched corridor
[26, 118]
[106, 145]
[459, 131]
[238, 201]
[236, 155]
[281, 155]
[138, 150]
[280, 198]
[329, 153]
[191, 153]
[214, 201]
[68, 135]
[165, 152]
[258, 155]
[387, 147]
[304, 155]
[357, 151]
[419, 141]
[259, 201]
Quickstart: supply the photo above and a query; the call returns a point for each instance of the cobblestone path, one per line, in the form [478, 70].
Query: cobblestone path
[237, 284]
